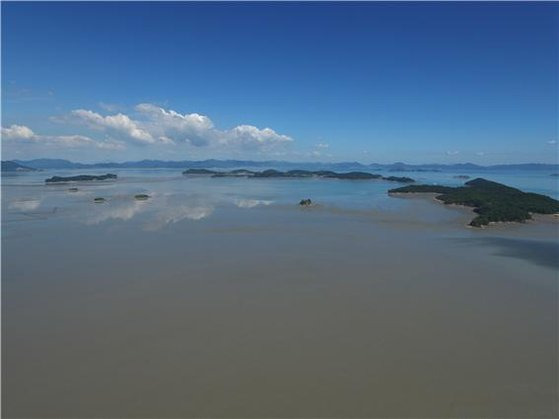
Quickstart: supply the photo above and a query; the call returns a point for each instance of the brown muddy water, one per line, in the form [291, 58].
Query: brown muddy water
[203, 302]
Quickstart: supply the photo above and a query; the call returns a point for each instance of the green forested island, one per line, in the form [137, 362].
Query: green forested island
[492, 201]
[296, 174]
[79, 178]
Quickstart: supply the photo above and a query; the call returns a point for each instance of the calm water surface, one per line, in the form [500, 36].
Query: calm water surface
[222, 298]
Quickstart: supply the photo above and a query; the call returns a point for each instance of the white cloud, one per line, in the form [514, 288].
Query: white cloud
[172, 126]
[248, 137]
[118, 124]
[79, 141]
[156, 125]
[110, 107]
[17, 132]
[480, 153]
[452, 153]
[319, 150]
[552, 142]
[153, 125]
[21, 133]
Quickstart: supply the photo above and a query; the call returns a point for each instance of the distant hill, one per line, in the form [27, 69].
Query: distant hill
[51, 164]
[191, 164]
[280, 165]
[12, 166]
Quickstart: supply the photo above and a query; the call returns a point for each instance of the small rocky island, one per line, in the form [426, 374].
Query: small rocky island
[492, 201]
[297, 174]
[79, 178]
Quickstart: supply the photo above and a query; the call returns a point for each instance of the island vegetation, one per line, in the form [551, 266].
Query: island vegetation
[79, 178]
[198, 172]
[492, 201]
[141, 197]
[271, 173]
[401, 179]
[305, 202]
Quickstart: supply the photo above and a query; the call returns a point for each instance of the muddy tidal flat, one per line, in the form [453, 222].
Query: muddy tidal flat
[221, 297]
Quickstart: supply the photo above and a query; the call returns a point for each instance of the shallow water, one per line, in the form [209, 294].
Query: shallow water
[222, 298]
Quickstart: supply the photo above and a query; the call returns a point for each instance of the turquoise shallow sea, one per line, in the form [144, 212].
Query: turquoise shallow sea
[351, 194]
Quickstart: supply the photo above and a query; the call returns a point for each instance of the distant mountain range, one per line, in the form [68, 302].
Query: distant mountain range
[43, 164]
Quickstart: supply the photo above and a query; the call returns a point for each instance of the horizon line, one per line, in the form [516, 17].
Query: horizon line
[287, 161]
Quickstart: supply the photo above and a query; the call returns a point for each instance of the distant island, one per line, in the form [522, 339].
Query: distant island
[492, 201]
[296, 174]
[79, 178]
[12, 166]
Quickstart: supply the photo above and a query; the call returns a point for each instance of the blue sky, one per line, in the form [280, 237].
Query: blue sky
[372, 82]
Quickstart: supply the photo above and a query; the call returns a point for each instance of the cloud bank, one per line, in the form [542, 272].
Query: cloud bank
[113, 124]
[150, 125]
[22, 134]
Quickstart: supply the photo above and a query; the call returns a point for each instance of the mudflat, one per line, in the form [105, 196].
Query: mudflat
[217, 304]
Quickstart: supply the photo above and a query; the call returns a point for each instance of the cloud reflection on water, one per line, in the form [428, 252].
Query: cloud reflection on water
[251, 203]
[118, 209]
[164, 209]
[24, 204]
[175, 208]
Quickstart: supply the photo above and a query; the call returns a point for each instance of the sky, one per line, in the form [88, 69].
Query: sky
[368, 82]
